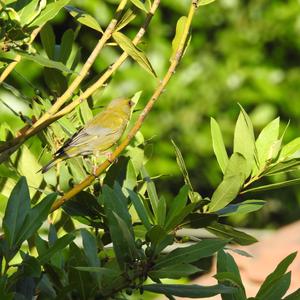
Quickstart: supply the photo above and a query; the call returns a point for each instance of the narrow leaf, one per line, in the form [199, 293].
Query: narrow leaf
[151, 190]
[192, 253]
[140, 209]
[228, 232]
[176, 271]
[84, 18]
[45, 62]
[35, 218]
[276, 274]
[190, 291]
[273, 186]
[244, 142]
[18, 207]
[204, 2]
[139, 4]
[234, 177]
[218, 145]
[178, 35]
[126, 44]
[50, 11]
[48, 40]
[66, 46]
[244, 207]
[58, 246]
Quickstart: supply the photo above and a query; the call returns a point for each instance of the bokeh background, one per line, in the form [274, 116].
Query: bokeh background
[245, 52]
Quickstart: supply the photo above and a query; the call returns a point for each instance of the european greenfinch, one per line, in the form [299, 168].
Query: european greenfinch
[98, 135]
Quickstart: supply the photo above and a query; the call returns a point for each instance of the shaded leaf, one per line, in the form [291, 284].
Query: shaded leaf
[277, 274]
[45, 62]
[18, 207]
[66, 47]
[228, 232]
[191, 253]
[244, 207]
[48, 40]
[35, 218]
[140, 209]
[58, 245]
[176, 271]
[190, 291]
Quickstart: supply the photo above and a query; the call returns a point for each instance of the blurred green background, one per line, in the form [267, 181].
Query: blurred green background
[245, 52]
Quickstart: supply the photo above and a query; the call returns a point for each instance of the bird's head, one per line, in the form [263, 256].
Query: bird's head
[123, 104]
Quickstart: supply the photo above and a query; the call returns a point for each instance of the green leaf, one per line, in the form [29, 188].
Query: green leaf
[218, 145]
[177, 205]
[282, 167]
[151, 190]
[66, 47]
[290, 150]
[30, 11]
[136, 54]
[178, 35]
[161, 211]
[277, 289]
[231, 275]
[84, 18]
[176, 271]
[125, 20]
[228, 232]
[35, 218]
[49, 12]
[244, 142]
[178, 219]
[90, 248]
[195, 197]
[222, 277]
[190, 291]
[58, 246]
[277, 274]
[267, 137]
[229, 188]
[293, 296]
[273, 186]
[140, 209]
[45, 62]
[18, 207]
[196, 220]
[244, 207]
[192, 253]
[139, 4]
[48, 40]
[204, 2]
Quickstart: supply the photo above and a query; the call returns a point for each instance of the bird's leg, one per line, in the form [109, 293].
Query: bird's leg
[94, 161]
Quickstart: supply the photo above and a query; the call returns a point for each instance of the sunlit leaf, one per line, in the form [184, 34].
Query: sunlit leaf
[84, 18]
[136, 54]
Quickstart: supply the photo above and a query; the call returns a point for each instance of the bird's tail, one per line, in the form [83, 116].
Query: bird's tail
[50, 164]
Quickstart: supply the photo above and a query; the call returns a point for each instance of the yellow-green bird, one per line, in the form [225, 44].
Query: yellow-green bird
[98, 135]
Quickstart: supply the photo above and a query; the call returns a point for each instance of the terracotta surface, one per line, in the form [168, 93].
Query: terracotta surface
[267, 253]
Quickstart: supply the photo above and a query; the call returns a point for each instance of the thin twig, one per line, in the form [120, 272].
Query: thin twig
[158, 91]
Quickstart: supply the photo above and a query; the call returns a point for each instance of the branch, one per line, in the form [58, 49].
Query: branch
[11, 146]
[158, 91]
[18, 57]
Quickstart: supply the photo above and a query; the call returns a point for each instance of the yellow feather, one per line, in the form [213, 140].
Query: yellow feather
[98, 135]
